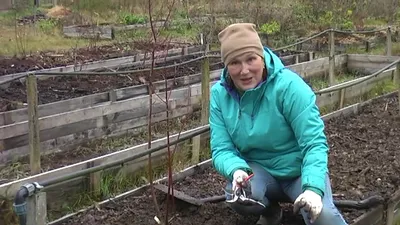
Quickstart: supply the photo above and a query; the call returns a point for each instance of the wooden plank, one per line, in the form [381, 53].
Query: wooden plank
[372, 58]
[318, 67]
[353, 91]
[392, 205]
[19, 115]
[89, 31]
[33, 132]
[104, 122]
[368, 63]
[373, 217]
[61, 119]
[71, 140]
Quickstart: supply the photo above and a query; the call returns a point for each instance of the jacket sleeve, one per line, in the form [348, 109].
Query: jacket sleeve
[301, 111]
[226, 159]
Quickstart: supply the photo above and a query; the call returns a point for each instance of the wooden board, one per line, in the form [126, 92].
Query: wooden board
[354, 91]
[369, 64]
[89, 31]
[319, 66]
[373, 217]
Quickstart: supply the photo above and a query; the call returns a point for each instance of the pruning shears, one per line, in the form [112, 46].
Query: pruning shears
[240, 195]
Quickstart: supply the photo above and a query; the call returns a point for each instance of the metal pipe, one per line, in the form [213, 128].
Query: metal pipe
[23, 193]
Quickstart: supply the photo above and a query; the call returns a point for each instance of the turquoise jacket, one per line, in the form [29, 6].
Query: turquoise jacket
[277, 125]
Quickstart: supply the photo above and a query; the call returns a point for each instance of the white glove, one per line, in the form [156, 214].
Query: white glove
[311, 202]
[238, 177]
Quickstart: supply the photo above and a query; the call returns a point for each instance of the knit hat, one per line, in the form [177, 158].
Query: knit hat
[237, 39]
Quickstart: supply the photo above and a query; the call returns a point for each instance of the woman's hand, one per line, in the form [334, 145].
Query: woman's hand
[239, 176]
[311, 202]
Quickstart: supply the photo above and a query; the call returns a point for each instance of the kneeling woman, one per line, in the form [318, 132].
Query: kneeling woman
[266, 128]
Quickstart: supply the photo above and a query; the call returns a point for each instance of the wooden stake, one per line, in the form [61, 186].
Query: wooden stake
[33, 120]
[389, 41]
[397, 81]
[331, 57]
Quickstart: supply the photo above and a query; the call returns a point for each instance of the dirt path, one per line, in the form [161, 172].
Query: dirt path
[363, 161]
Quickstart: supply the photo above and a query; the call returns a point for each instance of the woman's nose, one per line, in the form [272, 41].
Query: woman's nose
[245, 69]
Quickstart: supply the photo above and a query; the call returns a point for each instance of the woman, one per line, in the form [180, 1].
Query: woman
[266, 127]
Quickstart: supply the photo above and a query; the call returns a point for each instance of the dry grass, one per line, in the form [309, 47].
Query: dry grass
[30, 39]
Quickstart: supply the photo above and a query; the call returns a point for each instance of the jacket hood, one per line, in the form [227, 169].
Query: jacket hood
[272, 62]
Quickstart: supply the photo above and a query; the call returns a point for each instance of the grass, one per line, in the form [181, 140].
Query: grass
[31, 39]
[381, 88]
[319, 83]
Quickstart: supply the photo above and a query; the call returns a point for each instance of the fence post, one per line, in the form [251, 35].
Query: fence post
[342, 97]
[33, 120]
[331, 57]
[397, 81]
[37, 209]
[205, 101]
[389, 41]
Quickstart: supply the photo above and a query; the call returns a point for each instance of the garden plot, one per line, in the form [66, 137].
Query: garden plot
[363, 161]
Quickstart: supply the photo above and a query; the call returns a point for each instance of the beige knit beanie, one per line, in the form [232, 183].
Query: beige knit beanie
[237, 39]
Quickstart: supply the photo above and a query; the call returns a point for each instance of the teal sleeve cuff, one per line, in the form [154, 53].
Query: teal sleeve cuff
[316, 190]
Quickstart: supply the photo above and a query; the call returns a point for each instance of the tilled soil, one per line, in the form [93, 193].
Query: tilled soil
[363, 161]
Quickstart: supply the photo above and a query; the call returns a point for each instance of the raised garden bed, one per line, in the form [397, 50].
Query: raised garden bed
[363, 161]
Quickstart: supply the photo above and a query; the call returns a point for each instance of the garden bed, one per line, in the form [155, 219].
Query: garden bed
[363, 161]
[67, 87]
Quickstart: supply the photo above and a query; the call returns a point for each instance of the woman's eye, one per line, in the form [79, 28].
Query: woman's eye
[251, 59]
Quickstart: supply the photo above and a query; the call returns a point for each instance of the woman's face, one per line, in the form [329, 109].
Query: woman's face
[246, 71]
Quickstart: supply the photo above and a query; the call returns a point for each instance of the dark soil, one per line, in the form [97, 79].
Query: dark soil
[50, 59]
[363, 161]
